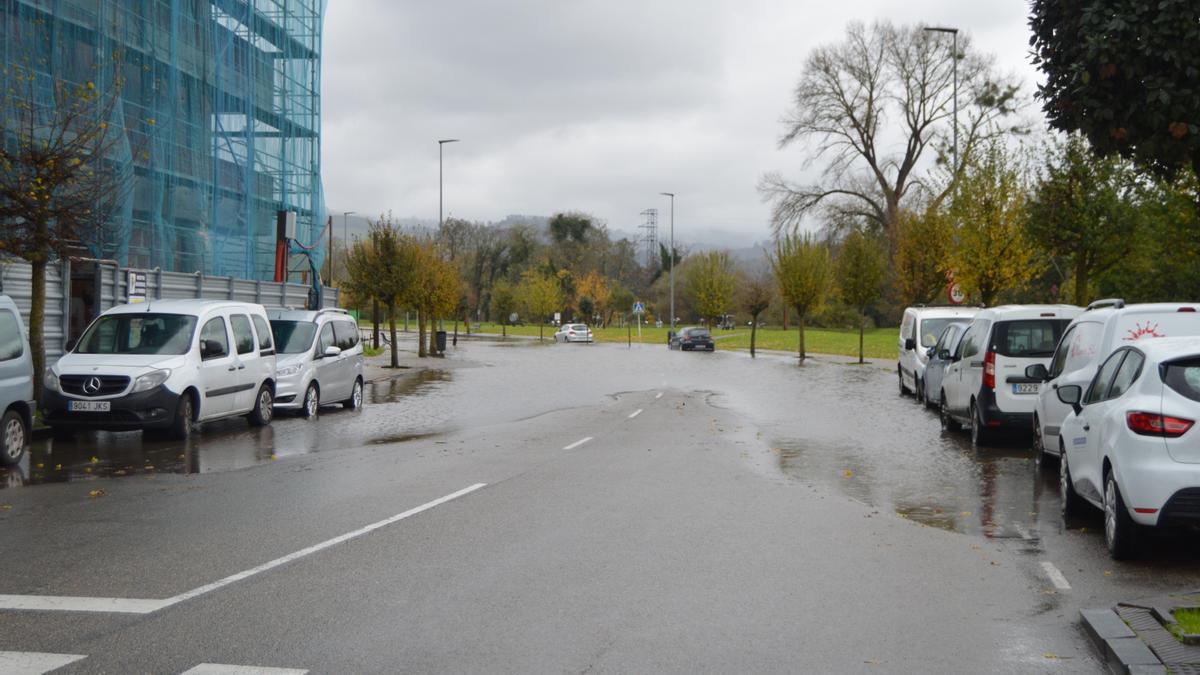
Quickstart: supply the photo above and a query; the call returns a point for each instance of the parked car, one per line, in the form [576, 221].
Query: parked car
[691, 338]
[919, 330]
[938, 358]
[1127, 445]
[573, 332]
[165, 364]
[1091, 337]
[16, 384]
[319, 360]
[985, 385]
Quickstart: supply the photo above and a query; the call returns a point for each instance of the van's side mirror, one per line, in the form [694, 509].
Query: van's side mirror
[1037, 372]
[332, 350]
[1071, 394]
[944, 355]
[909, 344]
[209, 349]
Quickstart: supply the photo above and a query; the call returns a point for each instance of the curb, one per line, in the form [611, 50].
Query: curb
[1123, 651]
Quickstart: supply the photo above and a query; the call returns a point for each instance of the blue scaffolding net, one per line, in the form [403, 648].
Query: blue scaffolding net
[221, 111]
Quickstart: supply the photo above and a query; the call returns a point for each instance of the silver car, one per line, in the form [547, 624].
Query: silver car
[319, 360]
[16, 384]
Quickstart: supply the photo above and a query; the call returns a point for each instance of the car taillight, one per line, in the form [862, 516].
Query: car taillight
[1187, 309]
[989, 370]
[1152, 424]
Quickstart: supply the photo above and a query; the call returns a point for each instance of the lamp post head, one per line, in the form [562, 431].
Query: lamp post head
[348, 213]
[940, 29]
[668, 194]
[448, 140]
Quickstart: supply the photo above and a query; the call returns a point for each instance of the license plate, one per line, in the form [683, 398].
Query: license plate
[1031, 388]
[89, 406]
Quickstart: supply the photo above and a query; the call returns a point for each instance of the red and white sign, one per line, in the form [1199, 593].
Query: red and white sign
[955, 292]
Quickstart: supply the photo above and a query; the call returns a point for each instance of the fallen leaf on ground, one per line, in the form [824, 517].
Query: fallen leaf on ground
[95, 460]
[848, 473]
[5, 507]
[96, 493]
[1050, 655]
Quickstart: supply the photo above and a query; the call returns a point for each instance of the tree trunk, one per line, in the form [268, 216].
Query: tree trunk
[753, 332]
[800, 322]
[421, 335]
[861, 328]
[541, 337]
[375, 322]
[37, 331]
[433, 350]
[785, 317]
[1081, 279]
[503, 329]
[392, 330]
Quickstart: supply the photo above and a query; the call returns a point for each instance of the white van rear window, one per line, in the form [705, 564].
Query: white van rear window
[1027, 338]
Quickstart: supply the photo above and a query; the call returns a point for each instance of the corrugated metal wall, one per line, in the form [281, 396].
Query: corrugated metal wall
[16, 275]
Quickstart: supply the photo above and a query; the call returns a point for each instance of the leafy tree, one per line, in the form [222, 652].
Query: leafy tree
[383, 267]
[801, 266]
[1124, 73]
[621, 301]
[540, 295]
[1081, 213]
[504, 303]
[594, 287]
[435, 291]
[710, 283]
[755, 297]
[992, 253]
[860, 273]
[922, 250]
[66, 167]
[847, 96]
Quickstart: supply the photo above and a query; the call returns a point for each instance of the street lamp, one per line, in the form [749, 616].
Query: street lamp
[345, 240]
[954, 32]
[440, 144]
[671, 257]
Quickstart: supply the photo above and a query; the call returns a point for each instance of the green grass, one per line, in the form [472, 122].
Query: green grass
[1188, 619]
[877, 342]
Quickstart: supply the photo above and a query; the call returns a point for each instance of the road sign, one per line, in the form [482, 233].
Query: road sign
[639, 308]
[135, 286]
[956, 294]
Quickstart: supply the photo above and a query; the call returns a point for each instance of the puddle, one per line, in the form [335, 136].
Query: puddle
[394, 389]
[402, 438]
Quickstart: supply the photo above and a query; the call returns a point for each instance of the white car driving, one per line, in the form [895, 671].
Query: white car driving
[1128, 447]
[573, 332]
[1092, 336]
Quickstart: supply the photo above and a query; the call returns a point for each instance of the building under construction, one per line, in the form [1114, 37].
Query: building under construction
[230, 90]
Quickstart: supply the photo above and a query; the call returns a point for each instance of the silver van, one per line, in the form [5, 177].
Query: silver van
[320, 360]
[16, 384]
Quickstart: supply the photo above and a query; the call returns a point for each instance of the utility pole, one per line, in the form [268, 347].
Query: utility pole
[442, 142]
[671, 257]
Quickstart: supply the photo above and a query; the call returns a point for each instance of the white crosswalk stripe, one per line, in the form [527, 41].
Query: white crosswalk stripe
[34, 663]
[225, 669]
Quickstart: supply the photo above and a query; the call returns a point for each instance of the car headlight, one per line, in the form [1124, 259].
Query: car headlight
[288, 371]
[50, 381]
[150, 380]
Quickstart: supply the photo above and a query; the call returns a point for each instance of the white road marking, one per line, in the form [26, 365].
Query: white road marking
[1060, 582]
[224, 669]
[34, 663]
[658, 396]
[578, 443]
[635, 413]
[146, 606]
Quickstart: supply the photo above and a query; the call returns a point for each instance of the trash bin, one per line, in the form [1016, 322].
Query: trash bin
[441, 341]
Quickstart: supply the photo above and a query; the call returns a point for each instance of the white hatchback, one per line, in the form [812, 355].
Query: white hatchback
[573, 332]
[1128, 446]
[1092, 336]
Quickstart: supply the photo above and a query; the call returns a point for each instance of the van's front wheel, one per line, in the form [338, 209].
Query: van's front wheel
[264, 408]
[185, 415]
[356, 396]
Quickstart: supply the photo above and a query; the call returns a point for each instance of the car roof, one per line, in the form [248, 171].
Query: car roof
[186, 306]
[1008, 312]
[1165, 349]
[943, 312]
[1107, 311]
[289, 314]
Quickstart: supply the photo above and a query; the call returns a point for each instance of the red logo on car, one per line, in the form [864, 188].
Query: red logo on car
[1139, 331]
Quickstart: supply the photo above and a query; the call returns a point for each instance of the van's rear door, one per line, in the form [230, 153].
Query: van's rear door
[1017, 344]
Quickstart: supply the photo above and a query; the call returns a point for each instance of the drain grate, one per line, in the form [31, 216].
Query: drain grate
[1180, 658]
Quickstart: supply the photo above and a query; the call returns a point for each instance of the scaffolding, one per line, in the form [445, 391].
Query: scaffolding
[226, 96]
[649, 237]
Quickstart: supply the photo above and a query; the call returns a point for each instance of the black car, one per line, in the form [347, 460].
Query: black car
[692, 338]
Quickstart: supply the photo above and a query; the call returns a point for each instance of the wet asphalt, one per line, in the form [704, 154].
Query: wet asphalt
[758, 516]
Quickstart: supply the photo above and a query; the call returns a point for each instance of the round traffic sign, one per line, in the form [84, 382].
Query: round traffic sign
[957, 296]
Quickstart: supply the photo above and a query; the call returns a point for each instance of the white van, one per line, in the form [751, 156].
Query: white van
[165, 364]
[985, 385]
[919, 330]
[1091, 337]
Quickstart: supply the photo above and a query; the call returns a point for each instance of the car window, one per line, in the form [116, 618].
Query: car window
[1027, 337]
[263, 330]
[1104, 378]
[1060, 353]
[961, 349]
[973, 342]
[243, 334]
[1130, 369]
[11, 344]
[346, 334]
[1183, 377]
[138, 333]
[326, 339]
[931, 329]
[214, 332]
[946, 341]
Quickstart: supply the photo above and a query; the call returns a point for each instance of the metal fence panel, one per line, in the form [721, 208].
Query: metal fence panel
[16, 281]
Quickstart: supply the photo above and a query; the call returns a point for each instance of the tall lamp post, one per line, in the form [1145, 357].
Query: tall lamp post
[442, 142]
[671, 257]
[953, 32]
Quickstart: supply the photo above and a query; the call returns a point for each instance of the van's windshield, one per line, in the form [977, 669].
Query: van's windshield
[165, 334]
[293, 337]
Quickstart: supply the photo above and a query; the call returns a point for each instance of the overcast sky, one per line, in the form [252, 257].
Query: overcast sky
[588, 105]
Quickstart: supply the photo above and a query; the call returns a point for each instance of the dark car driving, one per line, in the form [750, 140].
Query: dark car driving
[692, 338]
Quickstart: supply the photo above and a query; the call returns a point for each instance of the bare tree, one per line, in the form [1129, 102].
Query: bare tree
[871, 107]
[755, 296]
[66, 166]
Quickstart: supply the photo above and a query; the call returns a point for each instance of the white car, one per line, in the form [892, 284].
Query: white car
[985, 385]
[319, 360]
[1128, 446]
[1092, 336]
[573, 332]
[919, 330]
[165, 364]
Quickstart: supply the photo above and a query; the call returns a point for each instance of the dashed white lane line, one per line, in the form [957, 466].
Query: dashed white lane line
[578, 443]
[658, 396]
[223, 669]
[1060, 582]
[635, 413]
[146, 606]
[34, 663]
